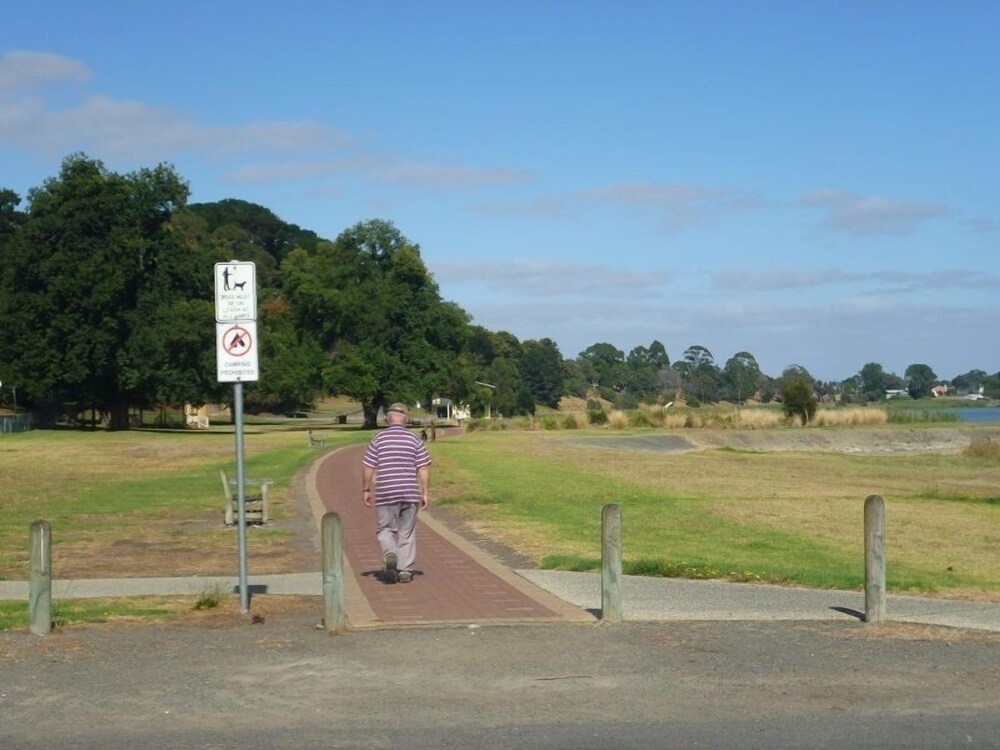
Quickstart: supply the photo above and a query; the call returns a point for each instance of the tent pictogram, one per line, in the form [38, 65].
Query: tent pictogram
[237, 341]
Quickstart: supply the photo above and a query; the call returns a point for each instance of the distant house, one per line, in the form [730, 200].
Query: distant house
[939, 390]
[897, 393]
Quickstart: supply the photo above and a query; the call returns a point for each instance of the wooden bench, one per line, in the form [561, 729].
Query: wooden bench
[254, 498]
[316, 442]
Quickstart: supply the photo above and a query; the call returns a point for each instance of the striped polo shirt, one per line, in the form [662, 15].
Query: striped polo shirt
[396, 454]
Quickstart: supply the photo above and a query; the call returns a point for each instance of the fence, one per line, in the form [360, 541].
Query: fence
[15, 423]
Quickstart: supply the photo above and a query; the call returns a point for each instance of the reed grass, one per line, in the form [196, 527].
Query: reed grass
[853, 416]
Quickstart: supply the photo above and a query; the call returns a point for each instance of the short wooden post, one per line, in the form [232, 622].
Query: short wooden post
[434, 432]
[334, 608]
[874, 559]
[611, 564]
[40, 582]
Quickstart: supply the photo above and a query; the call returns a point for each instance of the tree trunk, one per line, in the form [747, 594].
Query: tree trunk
[118, 418]
[371, 410]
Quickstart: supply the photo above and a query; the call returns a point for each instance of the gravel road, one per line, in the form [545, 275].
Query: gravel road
[226, 683]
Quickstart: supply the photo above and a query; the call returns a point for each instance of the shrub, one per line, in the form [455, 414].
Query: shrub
[597, 416]
[692, 421]
[550, 423]
[910, 416]
[569, 422]
[522, 423]
[210, 597]
[639, 419]
[983, 447]
[756, 419]
[675, 420]
[618, 420]
[798, 399]
[594, 405]
[626, 401]
[655, 416]
[853, 416]
[693, 402]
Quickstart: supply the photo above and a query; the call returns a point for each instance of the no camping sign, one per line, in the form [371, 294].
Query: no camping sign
[236, 352]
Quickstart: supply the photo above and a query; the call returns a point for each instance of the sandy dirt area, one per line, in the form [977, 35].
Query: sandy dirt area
[854, 441]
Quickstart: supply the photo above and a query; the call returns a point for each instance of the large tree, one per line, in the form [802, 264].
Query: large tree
[93, 287]
[919, 380]
[542, 371]
[873, 382]
[377, 313]
[699, 372]
[740, 375]
[603, 366]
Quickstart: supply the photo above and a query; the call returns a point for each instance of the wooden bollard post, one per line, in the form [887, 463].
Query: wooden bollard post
[334, 608]
[611, 564]
[874, 559]
[40, 579]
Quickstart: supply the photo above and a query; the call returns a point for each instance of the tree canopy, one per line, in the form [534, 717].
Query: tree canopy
[106, 303]
[96, 291]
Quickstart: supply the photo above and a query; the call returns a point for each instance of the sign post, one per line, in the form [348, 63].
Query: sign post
[237, 362]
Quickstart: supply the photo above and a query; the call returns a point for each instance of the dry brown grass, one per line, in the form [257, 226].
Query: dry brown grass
[617, 420]
[854, 417]
[42, 470]
[983, 448]
[759, 419]
[677, 420]
[907, 631]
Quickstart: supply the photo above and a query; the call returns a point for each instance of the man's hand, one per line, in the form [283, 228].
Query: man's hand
[366, 497]
[425, 500]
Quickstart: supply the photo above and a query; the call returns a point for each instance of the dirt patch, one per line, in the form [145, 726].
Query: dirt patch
[864, 441]
[916, 632]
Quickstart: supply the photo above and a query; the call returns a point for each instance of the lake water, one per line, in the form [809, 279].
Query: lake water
[985, 414]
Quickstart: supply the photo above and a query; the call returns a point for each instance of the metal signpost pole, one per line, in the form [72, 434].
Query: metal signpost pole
[237, 363]
[241, 498]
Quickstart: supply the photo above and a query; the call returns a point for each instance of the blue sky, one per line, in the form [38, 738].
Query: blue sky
[815, 183]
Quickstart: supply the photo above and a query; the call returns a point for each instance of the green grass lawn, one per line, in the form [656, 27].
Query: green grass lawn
[781, 517]
[149, 503]
[117, 501]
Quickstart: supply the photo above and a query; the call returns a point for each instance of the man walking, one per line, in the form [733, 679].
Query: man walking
[400, 464]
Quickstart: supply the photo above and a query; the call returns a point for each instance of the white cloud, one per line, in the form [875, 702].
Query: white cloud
[756, 281]
[860, 214]
[447, 176]
[25, 71]
[546, 207]
[382, 169]
[889, 281]
[678, 206]
[984, 224]
[543, 278]
[127, 129]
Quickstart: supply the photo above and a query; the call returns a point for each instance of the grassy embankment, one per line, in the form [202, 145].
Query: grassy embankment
[779, 517]
[143, 503]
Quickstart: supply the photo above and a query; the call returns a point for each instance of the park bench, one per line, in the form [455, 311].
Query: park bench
[254, 497]
[316, 442]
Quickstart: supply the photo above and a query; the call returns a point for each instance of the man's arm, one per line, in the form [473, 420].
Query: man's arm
[424, 477]
[367, 473]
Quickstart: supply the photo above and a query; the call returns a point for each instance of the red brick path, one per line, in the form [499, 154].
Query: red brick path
[452, 582]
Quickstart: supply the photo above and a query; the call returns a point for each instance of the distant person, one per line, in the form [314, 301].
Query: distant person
[399, 463]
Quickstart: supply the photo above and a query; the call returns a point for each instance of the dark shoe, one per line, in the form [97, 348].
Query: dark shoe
[405, 576]
[391, 574]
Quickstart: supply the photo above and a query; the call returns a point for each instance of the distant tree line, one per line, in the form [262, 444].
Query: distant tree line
[106, 303]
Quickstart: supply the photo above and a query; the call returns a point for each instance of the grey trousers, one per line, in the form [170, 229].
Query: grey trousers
[396, 532]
